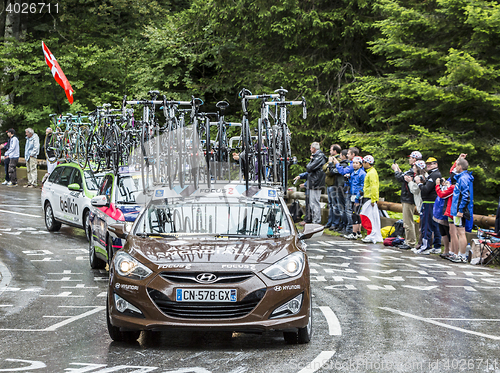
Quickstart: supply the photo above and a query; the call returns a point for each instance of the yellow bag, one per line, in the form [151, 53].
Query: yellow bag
[387, 231]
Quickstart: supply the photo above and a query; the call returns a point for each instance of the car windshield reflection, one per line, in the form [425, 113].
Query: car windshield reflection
[219, 217]
[128, 189]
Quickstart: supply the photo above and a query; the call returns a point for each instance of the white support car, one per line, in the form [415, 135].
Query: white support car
[66, 197]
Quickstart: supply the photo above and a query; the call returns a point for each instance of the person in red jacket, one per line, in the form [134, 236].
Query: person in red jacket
[444, 190]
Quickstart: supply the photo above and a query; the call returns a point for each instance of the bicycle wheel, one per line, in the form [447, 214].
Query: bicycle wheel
[111, 148]
[182, 152]
[94, 157]
[195, 157]
[286, 147]
[69, 144]
[208, 153]
[259, 152]
[49, 145]
[145, 169]
[81, 146]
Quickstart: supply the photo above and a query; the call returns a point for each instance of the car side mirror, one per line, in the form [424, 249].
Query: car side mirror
[312, 230]
[100, 201]
[118, 230]
[75, 186]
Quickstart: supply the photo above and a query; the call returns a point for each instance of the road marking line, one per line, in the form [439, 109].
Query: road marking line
[332, 320]
[434, 322]
[62, 323]
[318, 362]
[20, 213]
[438, 318]
[5, 277]
[33, 365]
[6, 305]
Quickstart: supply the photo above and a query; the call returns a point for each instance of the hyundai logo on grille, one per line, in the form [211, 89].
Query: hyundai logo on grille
[207, 278]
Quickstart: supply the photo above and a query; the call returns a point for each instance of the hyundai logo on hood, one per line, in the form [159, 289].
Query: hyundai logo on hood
[206, 278]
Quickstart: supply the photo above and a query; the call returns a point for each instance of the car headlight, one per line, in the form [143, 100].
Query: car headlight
[289, 266]
[127, 266]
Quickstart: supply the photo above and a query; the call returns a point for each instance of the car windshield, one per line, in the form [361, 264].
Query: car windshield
[128, 188]
[90, 180]
[214, 216]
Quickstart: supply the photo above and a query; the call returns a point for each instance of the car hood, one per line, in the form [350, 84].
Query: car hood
[248, 250]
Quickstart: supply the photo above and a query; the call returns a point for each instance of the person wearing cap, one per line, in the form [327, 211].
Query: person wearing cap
[51, 155]
[13, 155]
[407, 199]
[356, 183]
[315, 181]
[31, 151]
[429, 227]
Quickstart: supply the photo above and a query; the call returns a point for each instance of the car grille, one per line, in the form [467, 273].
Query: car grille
[190, 277]
[202, 310]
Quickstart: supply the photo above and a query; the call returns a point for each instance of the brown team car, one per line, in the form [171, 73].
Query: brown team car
[218, 259]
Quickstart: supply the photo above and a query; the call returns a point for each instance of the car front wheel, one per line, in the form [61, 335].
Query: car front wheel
[95, 262]
[120, 336]
[302, 335]
[51, 223]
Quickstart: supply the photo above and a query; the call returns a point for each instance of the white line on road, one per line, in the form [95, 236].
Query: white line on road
[317, 363]
[437, 318]
[62, 323]
[5, 277]
[332, 320]
[20, 213]
[434, 322]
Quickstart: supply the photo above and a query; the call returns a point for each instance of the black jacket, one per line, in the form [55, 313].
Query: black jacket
[316, 176]
[428, 190]
[406, 195]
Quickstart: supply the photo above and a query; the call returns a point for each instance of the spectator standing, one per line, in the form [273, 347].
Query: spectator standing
[346, 171]
[407, 200]
[307, 217]
[428, 226]
[31, 151]
[331, 174]
[371, 193]
[315, 181]
[420, 175]
[356, 183]
[444, 190]
[462, 206]
[5, 147]
[13, 155]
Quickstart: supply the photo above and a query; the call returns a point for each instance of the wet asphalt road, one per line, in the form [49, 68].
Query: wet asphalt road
[375, 310]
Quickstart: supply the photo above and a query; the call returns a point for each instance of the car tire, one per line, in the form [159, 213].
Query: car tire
[95, 262]
[110, 250]
[302, 335]
[120, 336]
[86, 224]
[50, 222]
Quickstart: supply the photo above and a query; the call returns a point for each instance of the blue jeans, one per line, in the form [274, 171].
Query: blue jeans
[336, 203]
[428, 226]
[348, 212]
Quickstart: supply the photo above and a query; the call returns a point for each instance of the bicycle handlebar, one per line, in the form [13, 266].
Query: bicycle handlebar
[255, 97]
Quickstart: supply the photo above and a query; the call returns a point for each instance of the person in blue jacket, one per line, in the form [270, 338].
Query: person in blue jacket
[356, 184]
[462, 205]
[346, 171]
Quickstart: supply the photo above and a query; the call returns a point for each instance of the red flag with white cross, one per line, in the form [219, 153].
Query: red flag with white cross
[57, 72]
